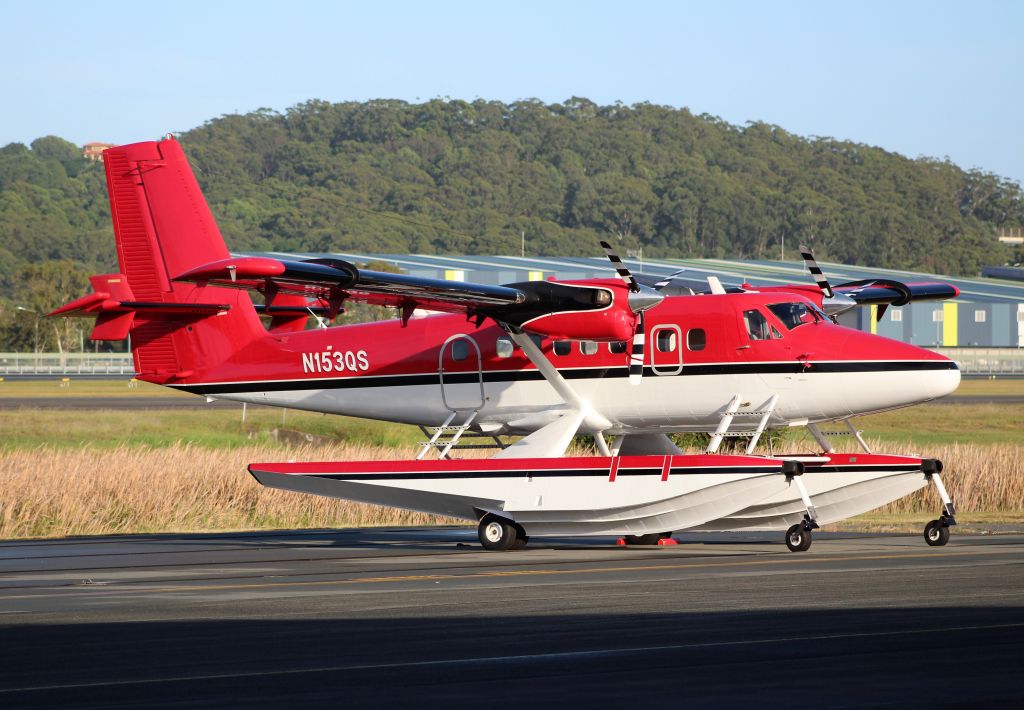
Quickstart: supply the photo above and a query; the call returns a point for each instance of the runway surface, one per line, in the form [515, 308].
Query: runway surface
[425, 618]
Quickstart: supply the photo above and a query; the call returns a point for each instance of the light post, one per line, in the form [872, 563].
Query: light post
[35, 342]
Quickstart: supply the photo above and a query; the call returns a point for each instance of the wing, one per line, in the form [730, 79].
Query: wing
[895, 293]
[332, 281]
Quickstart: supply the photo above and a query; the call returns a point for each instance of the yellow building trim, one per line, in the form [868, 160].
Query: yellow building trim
[873, 315]
[949, 324]
[454, 275]
[536, 276]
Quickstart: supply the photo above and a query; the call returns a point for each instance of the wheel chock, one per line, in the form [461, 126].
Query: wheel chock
[668, 541]
[621, 542]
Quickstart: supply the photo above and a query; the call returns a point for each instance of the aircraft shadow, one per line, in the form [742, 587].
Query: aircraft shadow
[839, 657]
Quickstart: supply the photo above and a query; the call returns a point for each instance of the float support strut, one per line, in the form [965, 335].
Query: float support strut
[811, 516]
[948, 508]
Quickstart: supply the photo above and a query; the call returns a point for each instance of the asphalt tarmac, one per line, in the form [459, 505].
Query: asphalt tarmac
[425, 618]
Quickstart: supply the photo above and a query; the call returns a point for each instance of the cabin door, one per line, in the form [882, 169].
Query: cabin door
[666, 346]
[460, 367]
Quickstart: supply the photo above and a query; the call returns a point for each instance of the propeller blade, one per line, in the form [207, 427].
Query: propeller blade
[667, 280]
[620, 268]
[636, 352]
[880, 312]
[815, 270]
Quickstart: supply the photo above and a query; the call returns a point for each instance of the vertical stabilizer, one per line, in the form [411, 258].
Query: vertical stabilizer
[163, 227]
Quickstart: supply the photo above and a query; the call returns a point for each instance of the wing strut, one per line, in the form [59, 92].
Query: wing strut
[553, 439]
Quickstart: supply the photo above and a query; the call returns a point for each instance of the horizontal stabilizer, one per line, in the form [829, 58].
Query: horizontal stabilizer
[112, 326]
[112, 304]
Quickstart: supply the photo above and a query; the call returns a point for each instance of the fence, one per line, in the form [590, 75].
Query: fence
[93, 364]
[987, 361]
[972, 361]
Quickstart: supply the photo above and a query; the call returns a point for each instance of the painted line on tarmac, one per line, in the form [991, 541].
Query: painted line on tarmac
[110, 591]
[525, 658]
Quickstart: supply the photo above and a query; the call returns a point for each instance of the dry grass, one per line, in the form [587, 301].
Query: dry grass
[56, 492]
[52, 492]
[979, 478]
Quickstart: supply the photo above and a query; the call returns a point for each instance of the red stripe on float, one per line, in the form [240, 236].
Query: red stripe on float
[614, 469]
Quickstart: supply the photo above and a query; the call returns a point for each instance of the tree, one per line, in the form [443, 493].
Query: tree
[467, 177]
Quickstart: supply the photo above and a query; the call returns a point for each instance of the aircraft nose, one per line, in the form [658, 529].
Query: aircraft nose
[942, 382]
[897, 374]
[937, 375]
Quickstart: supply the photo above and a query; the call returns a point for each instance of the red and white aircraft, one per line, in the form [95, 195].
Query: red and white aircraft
[634, 358]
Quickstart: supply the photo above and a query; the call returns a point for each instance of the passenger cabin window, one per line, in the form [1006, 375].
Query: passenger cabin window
[504, 347]
[617, 347]
[538, 340]
[562, 347]
[666, 341]
[794, 315]
[460, 350]
[696, 339]
[757, 325]
[588, 347]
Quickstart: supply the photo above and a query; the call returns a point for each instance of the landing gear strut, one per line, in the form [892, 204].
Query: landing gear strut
[798, 537]
[936, 532]
[498, 534]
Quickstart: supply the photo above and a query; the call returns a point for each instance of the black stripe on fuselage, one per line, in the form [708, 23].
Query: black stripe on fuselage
[759, 368]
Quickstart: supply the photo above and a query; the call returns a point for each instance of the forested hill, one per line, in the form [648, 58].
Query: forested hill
[451, 176]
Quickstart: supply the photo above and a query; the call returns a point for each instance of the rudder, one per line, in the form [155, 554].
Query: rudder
[163, 228]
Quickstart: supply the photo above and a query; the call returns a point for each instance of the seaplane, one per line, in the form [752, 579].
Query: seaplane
[626, 362]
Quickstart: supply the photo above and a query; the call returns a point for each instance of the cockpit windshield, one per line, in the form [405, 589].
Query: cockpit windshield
[795, 314]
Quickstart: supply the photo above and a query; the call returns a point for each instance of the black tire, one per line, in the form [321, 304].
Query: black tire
[798, 539]
[496, 534]
[648, 539]
[936, 534]
[521, 539]
[808, 539]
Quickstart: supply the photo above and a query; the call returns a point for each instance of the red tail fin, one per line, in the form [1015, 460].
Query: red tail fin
[163, 228]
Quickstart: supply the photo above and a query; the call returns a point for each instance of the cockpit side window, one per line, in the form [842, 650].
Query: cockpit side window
[757, 325]
[793, 315]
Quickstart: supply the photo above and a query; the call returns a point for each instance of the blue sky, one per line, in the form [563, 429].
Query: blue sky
[920, 78]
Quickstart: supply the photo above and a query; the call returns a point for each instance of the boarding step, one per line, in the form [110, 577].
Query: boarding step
[456, 433]
[822, 436]
[732, 410]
